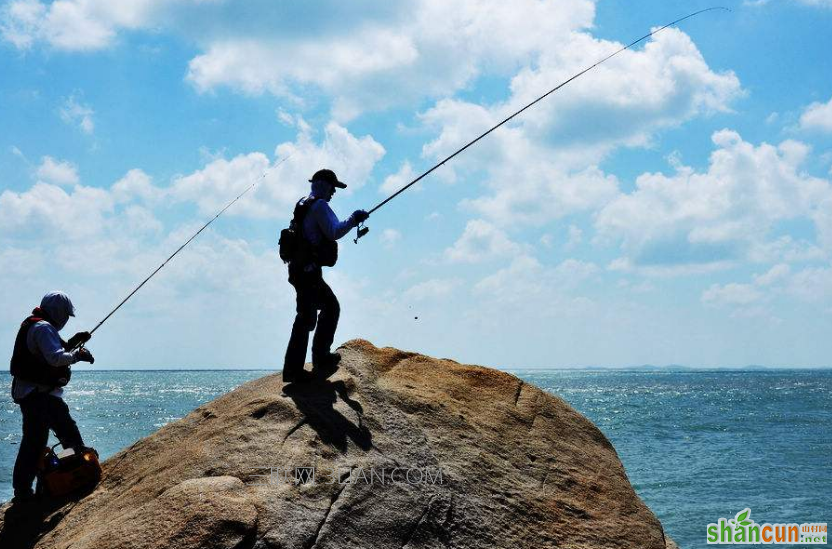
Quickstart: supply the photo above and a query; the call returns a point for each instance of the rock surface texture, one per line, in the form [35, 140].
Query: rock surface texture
[478, 459]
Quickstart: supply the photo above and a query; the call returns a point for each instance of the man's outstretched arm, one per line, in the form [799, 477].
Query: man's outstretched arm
[328, 222]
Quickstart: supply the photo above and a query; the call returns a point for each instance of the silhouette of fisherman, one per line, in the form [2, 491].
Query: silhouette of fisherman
[318, 229]
[40, 367]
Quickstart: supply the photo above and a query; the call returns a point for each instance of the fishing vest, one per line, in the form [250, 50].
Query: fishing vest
[296, 249]
[32, 367]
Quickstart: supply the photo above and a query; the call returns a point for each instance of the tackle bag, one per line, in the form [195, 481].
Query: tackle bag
[64, 473]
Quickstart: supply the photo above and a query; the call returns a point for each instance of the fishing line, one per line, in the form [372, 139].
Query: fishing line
[362, 230]
[165, 262]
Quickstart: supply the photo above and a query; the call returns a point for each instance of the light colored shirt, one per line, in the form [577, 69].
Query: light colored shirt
[43, 339]
[321, 222]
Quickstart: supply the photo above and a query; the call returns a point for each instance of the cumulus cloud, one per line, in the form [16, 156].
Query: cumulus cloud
[434, 288]
[136, 184]
[389, 237]
[731, 294]
[419, 48]
[525, 281]
[278, 186]
[75, 113]
[811, 285]
[724, 215]
[52, 212]
[398, 53]
[76, 25]
[396, 181]
[545, 165]
[56, 172]
[541, 191]
[623, 102]
[817, 116]
[481, 241]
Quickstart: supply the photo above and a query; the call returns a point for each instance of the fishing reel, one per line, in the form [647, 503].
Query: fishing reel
[360, 231]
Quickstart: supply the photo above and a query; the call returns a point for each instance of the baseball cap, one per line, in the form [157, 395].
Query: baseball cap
[328, 176]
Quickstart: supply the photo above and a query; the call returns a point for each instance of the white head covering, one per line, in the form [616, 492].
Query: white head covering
[59, 308]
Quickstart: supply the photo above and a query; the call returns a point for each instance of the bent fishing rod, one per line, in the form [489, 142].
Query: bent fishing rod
[362, 230]
[182, 247]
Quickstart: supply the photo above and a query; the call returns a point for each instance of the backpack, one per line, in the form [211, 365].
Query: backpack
[295, 248]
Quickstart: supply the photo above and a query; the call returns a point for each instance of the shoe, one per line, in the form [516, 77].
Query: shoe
[324, 367]
[24, 504]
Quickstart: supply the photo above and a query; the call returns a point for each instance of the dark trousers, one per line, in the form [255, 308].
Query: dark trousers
[41, 412]
[313, 295]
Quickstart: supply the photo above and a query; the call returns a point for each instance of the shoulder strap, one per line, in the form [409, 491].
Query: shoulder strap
[301, 209]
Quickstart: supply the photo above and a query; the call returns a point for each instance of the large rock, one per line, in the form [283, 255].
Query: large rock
[478, 459]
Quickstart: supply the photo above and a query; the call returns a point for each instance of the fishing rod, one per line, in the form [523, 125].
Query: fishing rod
[165, 262]
[361, 230]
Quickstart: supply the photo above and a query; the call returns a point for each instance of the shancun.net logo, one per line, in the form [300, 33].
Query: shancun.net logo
[742, 529]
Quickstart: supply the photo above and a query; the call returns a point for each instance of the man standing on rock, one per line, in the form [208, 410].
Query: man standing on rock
[318, 228]
[40, 368]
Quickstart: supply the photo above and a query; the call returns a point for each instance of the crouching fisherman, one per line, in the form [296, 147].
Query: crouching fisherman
[40, 367]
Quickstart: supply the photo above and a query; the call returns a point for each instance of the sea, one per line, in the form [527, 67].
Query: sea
[697, 445]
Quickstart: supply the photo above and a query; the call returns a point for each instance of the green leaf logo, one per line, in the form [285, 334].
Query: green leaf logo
[743, 515]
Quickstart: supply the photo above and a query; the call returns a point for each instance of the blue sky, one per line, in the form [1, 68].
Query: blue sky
[673, 206]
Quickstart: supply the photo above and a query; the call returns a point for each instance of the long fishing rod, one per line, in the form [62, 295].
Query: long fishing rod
[362, 230]
[165, 262]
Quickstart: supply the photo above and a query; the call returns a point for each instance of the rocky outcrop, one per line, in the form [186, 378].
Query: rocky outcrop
[396, 450]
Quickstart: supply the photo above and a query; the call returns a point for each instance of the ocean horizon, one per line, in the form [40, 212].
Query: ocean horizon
[697, 445]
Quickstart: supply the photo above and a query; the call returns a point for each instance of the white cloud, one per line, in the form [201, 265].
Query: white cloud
[817, 3]
[403, 52]
[398, 53]
[212, 187]
[544, 166]
[396, 181]
[352, 158]
[817, 116]
[76, 113]
[724, 215]
[731, 294]
[49, 211]
[481, 241]
[773, 276]
[540, 191]
[434, 288]
[526, 282]
[627, 99]
[77, 25]
[623, 102]
[136, 184]
[58, 210]
[812, 285]
[56, 172]
[389, 238]
[21, 22]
